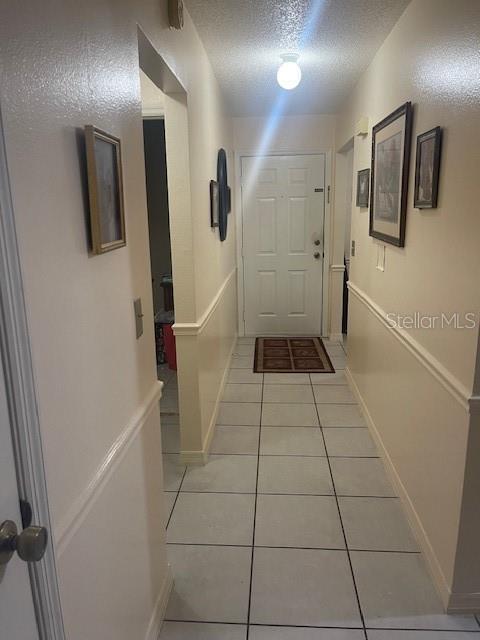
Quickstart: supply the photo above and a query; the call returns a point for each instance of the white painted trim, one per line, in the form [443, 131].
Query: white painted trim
[154, 113]
[327, 241]
[201, 457]
[194, 328]
[82, 505]
[158, 614]
[337, 267]
[20, 386]
[336, 337]
[454, 386]
[327, 224]
[413, 518]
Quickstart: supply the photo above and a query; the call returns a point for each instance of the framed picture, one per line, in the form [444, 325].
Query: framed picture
[427, 169]
[105, 190]
[229, 199]
[391, 140]
[363, 187]
[214, 203]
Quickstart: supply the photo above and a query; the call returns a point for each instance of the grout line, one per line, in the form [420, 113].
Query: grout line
[176, 497]
[317, 495]
[255, 514]
[306, 626]
[362, 617]
[298, 626]
[292, 547]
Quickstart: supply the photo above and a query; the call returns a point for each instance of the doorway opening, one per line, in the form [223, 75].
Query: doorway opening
[153, 114]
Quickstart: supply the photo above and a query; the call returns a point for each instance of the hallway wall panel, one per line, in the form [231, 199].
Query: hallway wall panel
[64, 65]
[431, 59]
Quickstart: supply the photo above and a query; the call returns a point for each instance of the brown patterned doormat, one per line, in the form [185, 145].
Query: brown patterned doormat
[291, 355]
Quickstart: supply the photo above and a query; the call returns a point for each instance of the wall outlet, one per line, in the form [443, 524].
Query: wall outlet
[352, 252]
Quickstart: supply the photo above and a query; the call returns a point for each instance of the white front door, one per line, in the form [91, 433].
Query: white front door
[17, 615]
[283, 204]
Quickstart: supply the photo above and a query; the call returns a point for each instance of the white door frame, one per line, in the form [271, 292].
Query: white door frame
[20, 387]
[238, 156]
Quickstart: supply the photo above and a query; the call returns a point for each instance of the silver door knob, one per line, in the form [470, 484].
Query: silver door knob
[30, 544]
[316, 255]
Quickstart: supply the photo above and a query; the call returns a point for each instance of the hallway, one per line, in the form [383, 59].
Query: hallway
[292, 530]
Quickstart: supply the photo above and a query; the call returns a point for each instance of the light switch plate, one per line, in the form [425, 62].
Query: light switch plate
[381, 257]
[137, 307]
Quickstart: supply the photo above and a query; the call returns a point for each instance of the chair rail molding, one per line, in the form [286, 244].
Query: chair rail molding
[194, 328]
[81, 506]
[446, 378]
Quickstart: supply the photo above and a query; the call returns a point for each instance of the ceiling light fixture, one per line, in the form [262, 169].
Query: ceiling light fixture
[289, 73]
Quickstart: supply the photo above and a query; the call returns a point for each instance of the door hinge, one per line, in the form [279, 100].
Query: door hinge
[328, 194]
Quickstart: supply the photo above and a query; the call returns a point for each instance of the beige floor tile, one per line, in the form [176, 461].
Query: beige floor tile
[210, 583]
[303, 587]
[289, 415]
[292, 475]
[291, 441]
[242, 393]
[235, 440]
[223, 473]
[298, 521]
[212, 518]
[352, 442]
[288, 393]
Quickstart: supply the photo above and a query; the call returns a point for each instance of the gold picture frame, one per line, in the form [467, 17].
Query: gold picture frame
[105, 190]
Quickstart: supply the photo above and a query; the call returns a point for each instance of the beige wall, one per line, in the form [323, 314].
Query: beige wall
[416, 384]
[291, 135]
[64, 65]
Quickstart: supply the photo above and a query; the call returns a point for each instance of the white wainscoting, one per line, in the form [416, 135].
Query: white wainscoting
[419, 415]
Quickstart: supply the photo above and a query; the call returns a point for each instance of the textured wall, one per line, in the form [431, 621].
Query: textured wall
[416, 384]
[63, 65]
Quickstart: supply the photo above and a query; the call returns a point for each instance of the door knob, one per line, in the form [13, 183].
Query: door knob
[316, 243]
[30, 544]
[316, 255]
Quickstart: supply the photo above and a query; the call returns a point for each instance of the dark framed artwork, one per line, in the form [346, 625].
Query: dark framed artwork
[222, 193]
[214, 204]
[105, 190]
[427, 169]
[229, 199]
[363, 187]
[391, 142]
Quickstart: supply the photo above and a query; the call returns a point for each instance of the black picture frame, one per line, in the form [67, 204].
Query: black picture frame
[391, 147]
[427, 169]
[222, 193]
[363, 188]
[214, 203]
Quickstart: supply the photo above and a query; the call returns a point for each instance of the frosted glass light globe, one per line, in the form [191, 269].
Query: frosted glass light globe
[289, 75]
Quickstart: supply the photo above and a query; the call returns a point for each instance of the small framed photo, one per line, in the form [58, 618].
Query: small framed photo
[391, 140]
[363, 187]
[214, 203]
[105, 190]
[427, 169]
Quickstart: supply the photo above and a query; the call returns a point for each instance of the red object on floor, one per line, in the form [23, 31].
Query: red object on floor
[169, 346]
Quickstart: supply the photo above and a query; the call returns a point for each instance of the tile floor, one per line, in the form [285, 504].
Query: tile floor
[292, 530]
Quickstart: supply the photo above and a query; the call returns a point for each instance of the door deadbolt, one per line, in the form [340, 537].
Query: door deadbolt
[316, 243]
[30, 544]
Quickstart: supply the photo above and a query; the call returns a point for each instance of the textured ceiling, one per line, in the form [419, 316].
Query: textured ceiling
[336, 40]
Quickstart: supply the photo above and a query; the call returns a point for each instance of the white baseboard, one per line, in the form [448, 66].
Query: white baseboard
[158, 615]
[413, 518]
[201, 457]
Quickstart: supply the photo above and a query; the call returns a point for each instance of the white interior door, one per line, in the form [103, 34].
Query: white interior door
[283, 204]
[17, 615]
